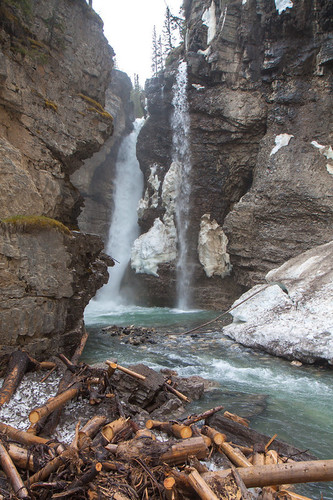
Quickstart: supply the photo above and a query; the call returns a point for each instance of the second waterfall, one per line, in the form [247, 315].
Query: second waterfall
[181, 155]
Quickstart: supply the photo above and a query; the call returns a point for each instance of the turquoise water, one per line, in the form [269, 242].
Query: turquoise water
[299, 400]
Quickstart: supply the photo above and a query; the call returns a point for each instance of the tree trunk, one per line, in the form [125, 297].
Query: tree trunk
[19, 362]
[53, 404]
[21, 457]
[180, 431]
[295, 472]
[192, 419]
[27, 438]
[200, 486]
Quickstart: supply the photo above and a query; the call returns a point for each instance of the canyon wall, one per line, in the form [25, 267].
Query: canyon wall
[95, 178]
[55, 66]
[260, 102]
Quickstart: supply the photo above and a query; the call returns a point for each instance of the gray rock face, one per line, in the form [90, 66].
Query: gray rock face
[94, 179]
[293, 317]
[260, 107]
[54, 71]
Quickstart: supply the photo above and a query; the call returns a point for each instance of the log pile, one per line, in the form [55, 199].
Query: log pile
[126, 455]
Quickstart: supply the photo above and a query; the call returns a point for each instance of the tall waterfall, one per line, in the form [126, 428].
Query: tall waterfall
[182, 156]
[124, 227]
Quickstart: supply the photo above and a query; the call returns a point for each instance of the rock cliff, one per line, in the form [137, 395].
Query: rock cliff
[94, 179]
[260, 103]
[54, 71]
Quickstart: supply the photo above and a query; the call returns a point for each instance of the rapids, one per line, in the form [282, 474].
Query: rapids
[296, 402]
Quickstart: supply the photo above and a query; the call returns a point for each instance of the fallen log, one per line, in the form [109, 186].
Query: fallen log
[236, 418]
[174, 391]
[110, 430]
[51, 422]
[19, 363]
[21, 457]
[169, 484]
[67, 455]
[53, 404]
[200, 486]
[235, 455]
[239, 434]
[177, 430]
[180, 452]
[295, 472]
[192, 419]
[169, 453]
[115, 366]
[216, 436]
[29, 439]
[11, 472]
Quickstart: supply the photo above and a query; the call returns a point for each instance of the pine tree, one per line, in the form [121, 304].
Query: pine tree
[138, 98]
[168, 32]
[155, 54]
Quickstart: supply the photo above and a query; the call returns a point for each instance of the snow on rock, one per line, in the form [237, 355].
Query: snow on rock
[293, 316]
[212, 248]
[159, 244]
[281, 140]
[209, 20]
[155, 247]
[197, 86]
[282, 5]
[327, 151]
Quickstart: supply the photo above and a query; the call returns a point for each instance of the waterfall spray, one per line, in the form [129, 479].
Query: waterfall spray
[181, 156]
[124, 227]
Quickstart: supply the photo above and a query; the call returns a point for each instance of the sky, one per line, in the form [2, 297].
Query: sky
[128, 26]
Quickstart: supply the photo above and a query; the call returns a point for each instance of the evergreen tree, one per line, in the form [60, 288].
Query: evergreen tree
[138, 98]
[155, 54]
[168, 32]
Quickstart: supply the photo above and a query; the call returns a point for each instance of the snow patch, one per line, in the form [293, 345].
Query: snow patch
[293, 317]
[209, 20]
[212, 248]
[155, 247]
[197, 86]
[326, 151]
[282, 5]
[281, 140]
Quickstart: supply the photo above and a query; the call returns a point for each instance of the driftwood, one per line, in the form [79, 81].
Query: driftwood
[21, 457]
[179, 395]
[192, 419]
[115, 366]
[50, 423]
[18, 364]
[295, 472]
[164, 452]
[29, 439]
[200, 486]
[239, 434]
[53, 404]
[177, 430]
[11, 472]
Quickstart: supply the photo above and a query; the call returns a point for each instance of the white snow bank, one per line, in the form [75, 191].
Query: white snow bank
[293, 317]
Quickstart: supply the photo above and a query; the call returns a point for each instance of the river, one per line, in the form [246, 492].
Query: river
[296, 401]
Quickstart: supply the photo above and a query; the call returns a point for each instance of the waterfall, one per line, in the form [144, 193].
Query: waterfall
[124, 229]
[181, 156]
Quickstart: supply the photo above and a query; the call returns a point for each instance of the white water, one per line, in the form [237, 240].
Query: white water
[181, 155]
[124, 227]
